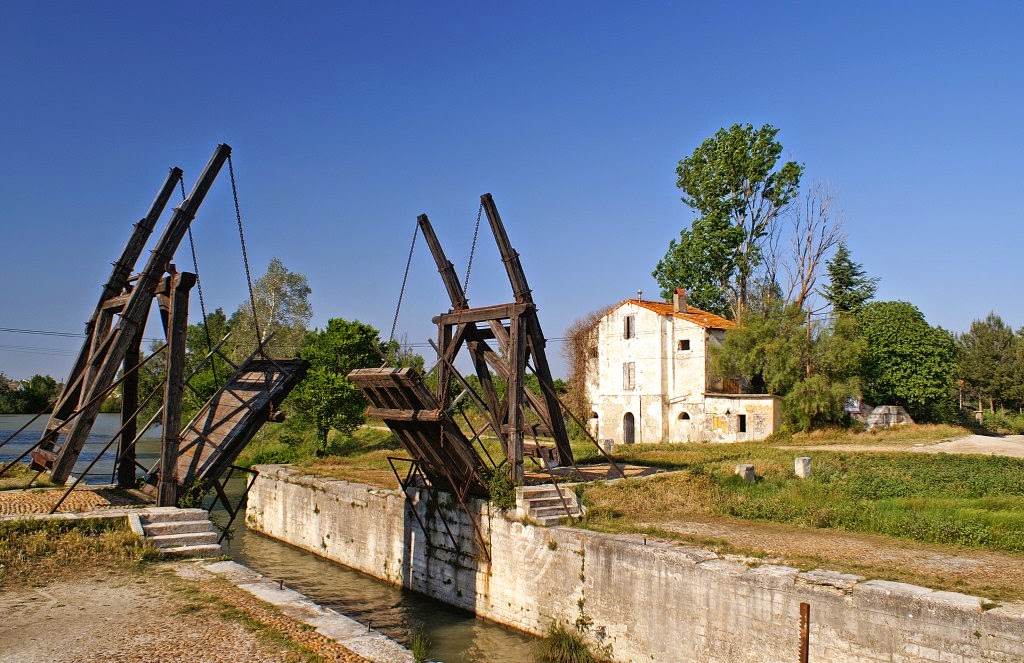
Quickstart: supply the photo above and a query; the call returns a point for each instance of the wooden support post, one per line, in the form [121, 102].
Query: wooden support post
[167, 489]
[71, 396]
[805, 632]
[514, 398]
[133, 318]
[444, 266]
[129, 423]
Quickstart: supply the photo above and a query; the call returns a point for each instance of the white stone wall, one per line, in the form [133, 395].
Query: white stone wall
[643, 600]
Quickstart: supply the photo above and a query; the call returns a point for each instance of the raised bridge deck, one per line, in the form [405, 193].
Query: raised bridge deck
[211, 442]
[437, 444]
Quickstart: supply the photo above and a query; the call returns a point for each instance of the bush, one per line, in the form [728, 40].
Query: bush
[503, 491]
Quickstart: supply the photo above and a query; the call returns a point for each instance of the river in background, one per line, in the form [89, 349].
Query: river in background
[456, 635]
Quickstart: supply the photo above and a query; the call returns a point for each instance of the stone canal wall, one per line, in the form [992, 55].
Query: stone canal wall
[641, 600]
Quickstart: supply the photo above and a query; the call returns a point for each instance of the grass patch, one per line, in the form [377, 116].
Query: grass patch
[18, 476]
[971, 501]
[420, 646]
[563, 645]
[36, 552]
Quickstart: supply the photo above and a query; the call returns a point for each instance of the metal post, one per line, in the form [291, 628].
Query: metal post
[167, 488]
[805, 631]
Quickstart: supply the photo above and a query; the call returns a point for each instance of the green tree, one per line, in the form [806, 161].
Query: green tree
[732, 182]
[199, 340]
[766, 352]
[989, 361]
[849, 288]
[907, 361]
[35, 395]
[282, 308]
[326, 398]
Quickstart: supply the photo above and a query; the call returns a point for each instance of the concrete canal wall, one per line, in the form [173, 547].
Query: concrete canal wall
[641, 600]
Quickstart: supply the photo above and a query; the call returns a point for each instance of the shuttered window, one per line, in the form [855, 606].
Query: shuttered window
[629, 376]
[628, 327]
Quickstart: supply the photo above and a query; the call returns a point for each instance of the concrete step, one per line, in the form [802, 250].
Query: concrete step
[552, 511]
[204, 550]
[548, 521]
[534, 491]
[537, 503]
[171, 514]
[178, 527]
[175, 540]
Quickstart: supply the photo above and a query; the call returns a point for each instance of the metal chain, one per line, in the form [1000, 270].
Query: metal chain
[405, 279]
[199, 287]
[245, 254]
[472, 250]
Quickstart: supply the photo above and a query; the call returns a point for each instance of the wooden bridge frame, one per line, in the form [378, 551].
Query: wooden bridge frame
[113, 340]
[515, 329]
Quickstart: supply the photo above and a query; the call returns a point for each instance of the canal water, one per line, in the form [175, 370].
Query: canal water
[457, 636]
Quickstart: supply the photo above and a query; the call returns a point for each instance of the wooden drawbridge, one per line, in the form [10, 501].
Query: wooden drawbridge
[210, 443]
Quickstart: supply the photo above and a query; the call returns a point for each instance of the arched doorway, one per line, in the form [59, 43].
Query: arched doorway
[683, 430]
[628, 430]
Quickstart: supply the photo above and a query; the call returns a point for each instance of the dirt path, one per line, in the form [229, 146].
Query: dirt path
[130, 617]
[988, 574]
[1007, 445]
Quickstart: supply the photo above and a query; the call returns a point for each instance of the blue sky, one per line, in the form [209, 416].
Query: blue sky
[349, 119]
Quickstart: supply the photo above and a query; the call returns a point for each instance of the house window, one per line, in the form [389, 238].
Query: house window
[629, 327]
[629, 376]
[742, 422]
[684, 344]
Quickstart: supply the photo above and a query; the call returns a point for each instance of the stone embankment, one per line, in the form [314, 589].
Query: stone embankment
[638, 599]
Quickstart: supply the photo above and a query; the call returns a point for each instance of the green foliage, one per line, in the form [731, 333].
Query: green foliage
[732, 183]
[770, 353]
[849, 287]
[991, 365]
[562, 645]
[503, 490]
[199, 340]
[420, 646]
[282, 309]
[326, 398]
[32, 397]
[906, 361]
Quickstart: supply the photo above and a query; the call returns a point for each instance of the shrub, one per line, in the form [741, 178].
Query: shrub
[562, 645]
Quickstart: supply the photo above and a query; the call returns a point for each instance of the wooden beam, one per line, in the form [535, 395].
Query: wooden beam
[129, 422]
[482, 314]
[167, 488]
[444, 266]
[133, 319]
[392, 414]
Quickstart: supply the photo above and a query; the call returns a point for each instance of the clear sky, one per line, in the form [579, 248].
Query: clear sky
[349, 119]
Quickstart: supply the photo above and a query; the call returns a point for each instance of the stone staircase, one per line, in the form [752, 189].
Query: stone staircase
[543, 504]
[182, 532]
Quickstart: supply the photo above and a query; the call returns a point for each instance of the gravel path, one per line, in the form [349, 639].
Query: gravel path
[1007, 445]
[41, 500]
[151, 617]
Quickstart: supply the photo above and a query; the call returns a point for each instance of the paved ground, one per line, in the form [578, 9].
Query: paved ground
[1007, 445]
[41, 500]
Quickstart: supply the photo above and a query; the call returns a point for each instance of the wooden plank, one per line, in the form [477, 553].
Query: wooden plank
[390, 414]
[482, 314]
[167, 488]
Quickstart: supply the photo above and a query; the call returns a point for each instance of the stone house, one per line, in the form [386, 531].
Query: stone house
[649, 379]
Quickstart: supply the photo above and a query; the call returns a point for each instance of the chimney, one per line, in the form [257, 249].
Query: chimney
[639, 295]
[679, 301]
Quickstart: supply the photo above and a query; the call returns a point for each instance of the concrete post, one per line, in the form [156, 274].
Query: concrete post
[747, 472]
[802, 467]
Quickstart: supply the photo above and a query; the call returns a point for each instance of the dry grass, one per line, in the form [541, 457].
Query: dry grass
[895, 436]
[37, 552]
[18, 476]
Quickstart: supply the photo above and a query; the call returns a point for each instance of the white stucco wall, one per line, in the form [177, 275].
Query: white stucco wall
[668, 383]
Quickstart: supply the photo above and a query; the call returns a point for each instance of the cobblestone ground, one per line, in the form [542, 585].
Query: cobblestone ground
[41, 500]
[152, 617]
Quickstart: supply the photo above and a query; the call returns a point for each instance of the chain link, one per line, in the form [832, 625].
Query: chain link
[245, 255]
[405, 279]
[199, 288]
[472, 251]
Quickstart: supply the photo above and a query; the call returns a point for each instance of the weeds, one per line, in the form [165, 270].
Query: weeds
[420, 646]
[562, 645]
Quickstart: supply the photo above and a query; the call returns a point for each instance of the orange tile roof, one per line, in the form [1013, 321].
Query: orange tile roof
[693, 314]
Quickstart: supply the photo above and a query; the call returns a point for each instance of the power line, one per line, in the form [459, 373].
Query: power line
[46, 332]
